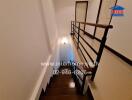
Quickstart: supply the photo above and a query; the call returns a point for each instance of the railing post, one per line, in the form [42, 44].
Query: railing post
[71, 27]
[78, 35]
[102, 45]
[83, 83]
[72, 30]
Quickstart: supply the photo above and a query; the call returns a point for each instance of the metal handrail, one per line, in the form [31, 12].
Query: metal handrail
[100, 50]
[96, 25]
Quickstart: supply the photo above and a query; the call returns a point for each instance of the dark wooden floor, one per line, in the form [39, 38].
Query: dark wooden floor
[62, 87]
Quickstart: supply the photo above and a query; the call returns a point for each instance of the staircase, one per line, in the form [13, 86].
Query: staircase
[62, 87]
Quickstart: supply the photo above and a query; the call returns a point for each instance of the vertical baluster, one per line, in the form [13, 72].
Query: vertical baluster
[83, 83]
[78, 35]
[102, 45]
[71, 27]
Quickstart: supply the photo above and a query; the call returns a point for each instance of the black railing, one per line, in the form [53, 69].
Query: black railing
[77, 35]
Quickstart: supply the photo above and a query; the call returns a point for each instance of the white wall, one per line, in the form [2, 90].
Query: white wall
[50, 20]
[92, 14]
[65, 12]
[24, 44]
[105, 16]
[120, 36]
[113, 80]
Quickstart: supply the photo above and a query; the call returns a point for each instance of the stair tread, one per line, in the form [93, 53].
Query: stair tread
[64, 97]
[62, 91]
[61, 77]
[62, 87]
[61, 81]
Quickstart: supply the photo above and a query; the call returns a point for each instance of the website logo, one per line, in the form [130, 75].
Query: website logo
[117, 10]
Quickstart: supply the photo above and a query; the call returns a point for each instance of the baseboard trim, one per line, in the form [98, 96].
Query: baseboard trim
[39, 86]
[124, 58]
[44, 92]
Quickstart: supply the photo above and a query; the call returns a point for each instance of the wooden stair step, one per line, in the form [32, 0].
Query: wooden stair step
[61, 81]
[60, 84]
[62, 91]
[64, 97]
[61, 87]
[62, 77]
